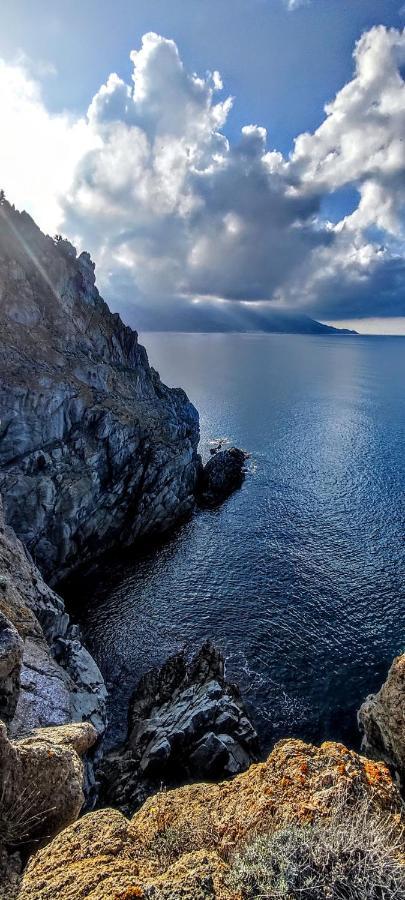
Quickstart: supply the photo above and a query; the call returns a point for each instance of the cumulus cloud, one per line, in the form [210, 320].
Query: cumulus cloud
[177, 217]
[38, 151]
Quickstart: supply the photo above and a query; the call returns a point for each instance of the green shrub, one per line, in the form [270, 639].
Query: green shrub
[353, 856]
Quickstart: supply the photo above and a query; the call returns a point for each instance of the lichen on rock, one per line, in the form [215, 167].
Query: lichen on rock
[180, 843]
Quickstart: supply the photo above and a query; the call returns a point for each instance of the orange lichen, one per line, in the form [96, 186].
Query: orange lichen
[129, 893]
[297, 784]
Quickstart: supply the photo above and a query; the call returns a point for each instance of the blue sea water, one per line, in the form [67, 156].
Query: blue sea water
[299, 576]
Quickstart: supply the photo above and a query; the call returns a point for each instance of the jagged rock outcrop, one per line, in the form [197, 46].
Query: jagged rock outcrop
[47, 677]
[185, 722]
[179, 845]
[94, 449]
[41, 790]
[382, 721]
[222, 474]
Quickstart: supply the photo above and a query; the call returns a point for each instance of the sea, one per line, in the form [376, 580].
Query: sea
[299, 577]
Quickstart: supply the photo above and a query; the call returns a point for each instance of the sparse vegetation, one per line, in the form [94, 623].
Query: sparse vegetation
[356, 855]
[20, 815]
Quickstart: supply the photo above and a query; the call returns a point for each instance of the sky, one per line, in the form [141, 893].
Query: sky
[222, 160]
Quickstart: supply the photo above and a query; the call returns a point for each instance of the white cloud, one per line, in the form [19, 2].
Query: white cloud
[295, 4]
[173, 212]
[38, 151]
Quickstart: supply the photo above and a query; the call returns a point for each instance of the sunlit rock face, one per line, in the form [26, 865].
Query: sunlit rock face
[382, 721]
[180, 844]
[94, 449]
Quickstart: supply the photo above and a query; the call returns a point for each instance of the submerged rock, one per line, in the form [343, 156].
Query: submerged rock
[185, 721]
[94, 449]
[222, 474]
[180, 844]
[382, 721]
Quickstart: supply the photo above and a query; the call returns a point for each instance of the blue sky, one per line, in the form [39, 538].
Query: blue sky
[281, 66]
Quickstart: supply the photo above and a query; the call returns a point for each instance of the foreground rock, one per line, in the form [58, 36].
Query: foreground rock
[185, 722]
[47, 677]
[180, 843]
[222, 474]
[41, 790]
[382, 720]
[94, 449]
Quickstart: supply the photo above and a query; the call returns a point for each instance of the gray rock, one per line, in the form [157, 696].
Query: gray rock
[11, 653]
[222, 474]
[47, 677]
[94, 449]
[185, 722]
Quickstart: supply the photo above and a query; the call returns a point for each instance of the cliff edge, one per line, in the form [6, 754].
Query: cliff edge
[94, 449]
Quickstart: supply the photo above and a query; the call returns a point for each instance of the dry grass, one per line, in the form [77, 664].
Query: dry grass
[21, 816]
[357, 855]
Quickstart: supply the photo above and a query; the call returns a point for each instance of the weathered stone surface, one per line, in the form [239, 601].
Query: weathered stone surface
[222, 474]
[94, 449]
[382, 721]
[11, 652]
[41, 786]
[179, 844]
[54, 680]
[185, 721]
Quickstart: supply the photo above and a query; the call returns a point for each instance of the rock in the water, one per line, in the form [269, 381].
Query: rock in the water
[185, 721]
[180, 844]
[222, 474]
[94, 449]
[382, 721]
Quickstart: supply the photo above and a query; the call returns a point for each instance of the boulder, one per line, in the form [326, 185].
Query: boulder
[185, 722]
[382, 721]
[41, 788]
[222, 474]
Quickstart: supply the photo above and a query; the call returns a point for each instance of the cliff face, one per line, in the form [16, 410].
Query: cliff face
[382, 720]
[186, 721]
[94, 449]
[47, 677]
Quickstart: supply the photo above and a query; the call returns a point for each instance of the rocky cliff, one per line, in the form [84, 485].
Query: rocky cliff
[182, 844]
[382, 721]
[94, 449]
[186, 722]
[47, 677]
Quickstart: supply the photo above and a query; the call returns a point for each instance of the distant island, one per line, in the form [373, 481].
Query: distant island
[206, 316]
